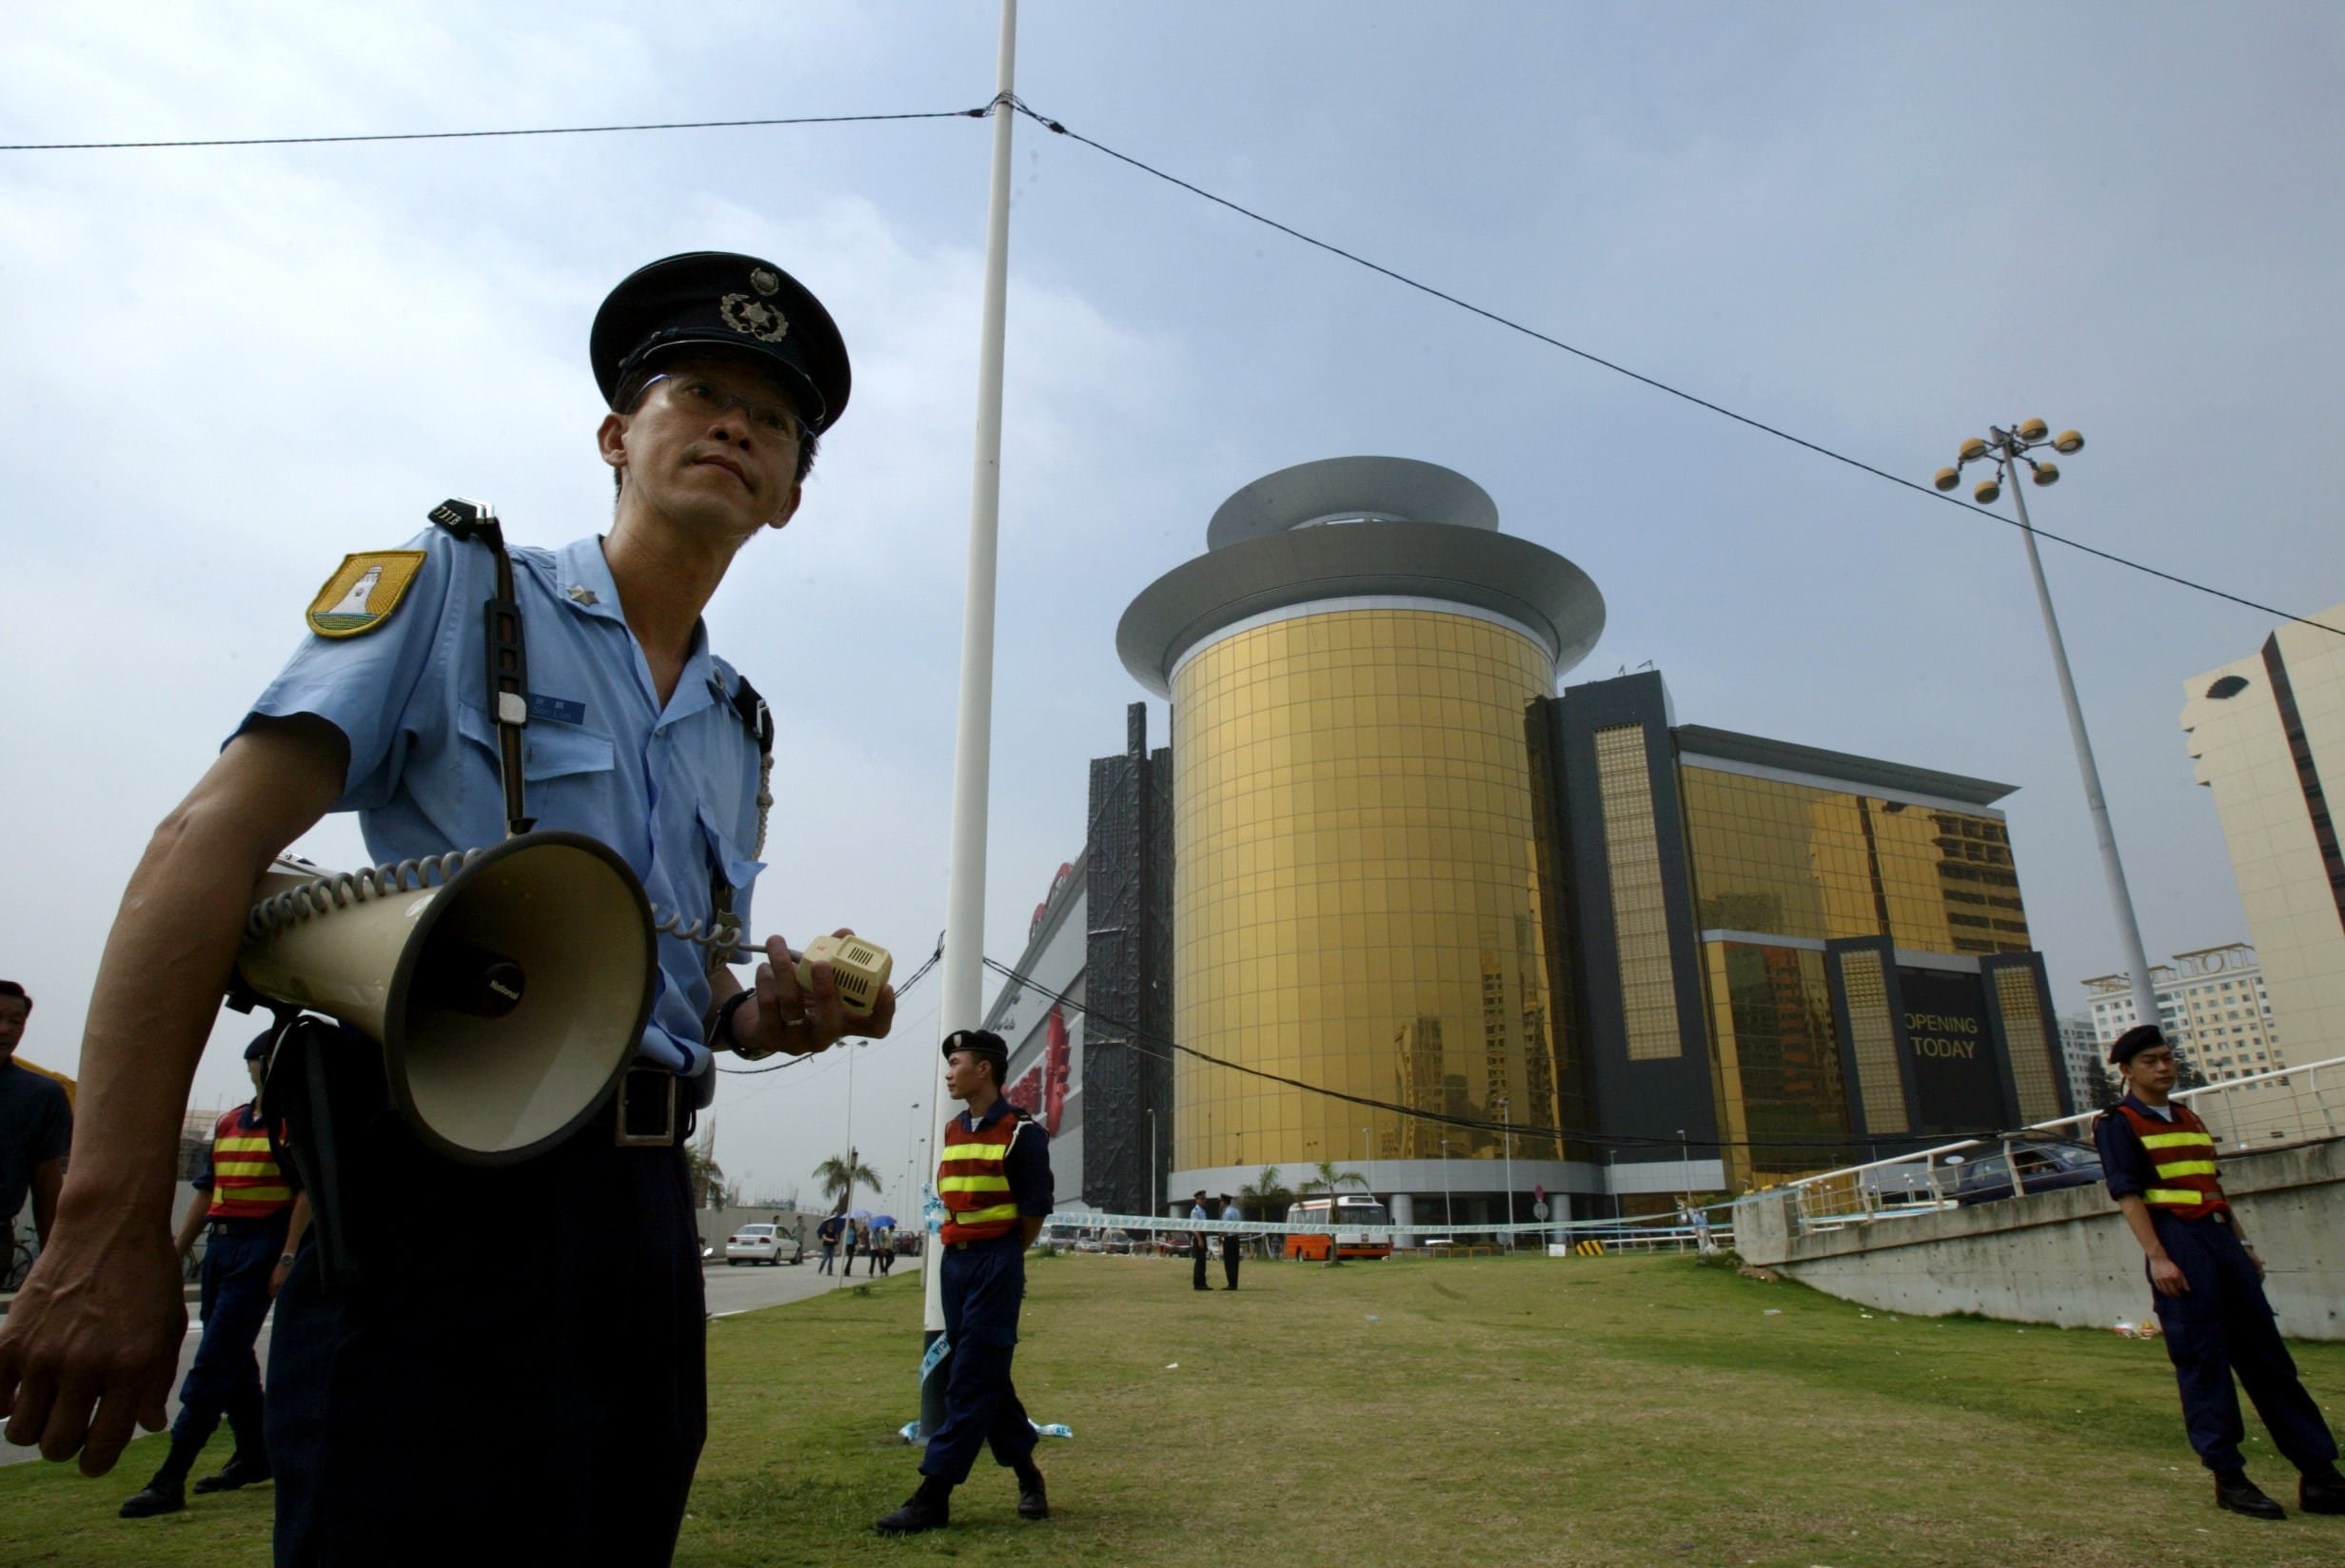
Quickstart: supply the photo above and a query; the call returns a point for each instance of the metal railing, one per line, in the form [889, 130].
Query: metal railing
[2262, 1111]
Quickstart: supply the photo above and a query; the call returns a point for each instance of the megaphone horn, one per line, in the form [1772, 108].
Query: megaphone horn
[507, 987]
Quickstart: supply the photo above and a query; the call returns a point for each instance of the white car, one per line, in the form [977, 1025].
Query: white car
[761, 1243]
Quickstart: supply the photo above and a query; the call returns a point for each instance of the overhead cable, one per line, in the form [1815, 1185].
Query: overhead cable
[978, 114]
[1475, 1123]
[1657, 385]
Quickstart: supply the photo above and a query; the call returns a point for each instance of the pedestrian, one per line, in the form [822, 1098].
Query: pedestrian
[2207, 1285]
[849, 1248]
[993, 1178]
[36, 1127]
[1196, 1240]
[483, 1385]
[827, 1233]
[884, 1249]
[256, 1219]
[1230, 1243]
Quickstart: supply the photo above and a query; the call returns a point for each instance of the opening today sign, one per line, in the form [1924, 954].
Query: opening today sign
[1958, 1074]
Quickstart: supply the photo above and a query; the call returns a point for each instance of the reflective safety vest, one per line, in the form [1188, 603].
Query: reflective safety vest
[246, 1183]
[2182, 1155]
[970, 1181]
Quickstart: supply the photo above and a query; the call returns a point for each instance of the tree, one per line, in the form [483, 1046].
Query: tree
[1264, 1193]
[839, 1177]
[709, 1188]
[1330, 1181]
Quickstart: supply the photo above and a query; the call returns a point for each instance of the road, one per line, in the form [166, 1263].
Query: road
[729, 1291]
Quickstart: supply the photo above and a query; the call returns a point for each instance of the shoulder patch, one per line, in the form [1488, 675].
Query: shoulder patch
[363, 591]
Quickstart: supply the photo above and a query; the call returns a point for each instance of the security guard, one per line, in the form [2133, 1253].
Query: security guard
[256, 1219]
[518, 1371]
[994, 1181]
[2158, 1160]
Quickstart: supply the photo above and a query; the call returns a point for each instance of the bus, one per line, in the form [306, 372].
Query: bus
[1353, 1239]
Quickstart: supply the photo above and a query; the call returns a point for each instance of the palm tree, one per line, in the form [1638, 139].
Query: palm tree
[1331, 1181]
[709, 1188]
[1264, 1193]
[838, 1178]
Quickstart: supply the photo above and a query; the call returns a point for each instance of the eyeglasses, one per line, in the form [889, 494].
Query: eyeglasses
[703, 396]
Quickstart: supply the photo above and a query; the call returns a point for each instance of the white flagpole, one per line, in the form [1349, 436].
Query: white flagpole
[964, 920]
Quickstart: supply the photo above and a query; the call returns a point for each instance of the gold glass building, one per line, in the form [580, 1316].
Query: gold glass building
[1354, 891]
[1434, 923]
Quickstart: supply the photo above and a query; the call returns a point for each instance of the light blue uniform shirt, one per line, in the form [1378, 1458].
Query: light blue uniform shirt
[674, 789]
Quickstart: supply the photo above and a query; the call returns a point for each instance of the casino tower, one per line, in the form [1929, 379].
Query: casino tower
[1355, 892]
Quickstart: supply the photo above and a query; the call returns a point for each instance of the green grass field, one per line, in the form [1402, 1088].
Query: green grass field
[1496, 1411]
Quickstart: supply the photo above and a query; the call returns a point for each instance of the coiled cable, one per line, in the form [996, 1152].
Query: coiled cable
[340, 890]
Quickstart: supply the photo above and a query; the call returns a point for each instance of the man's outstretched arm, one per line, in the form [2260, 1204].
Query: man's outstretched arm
[90, 1343]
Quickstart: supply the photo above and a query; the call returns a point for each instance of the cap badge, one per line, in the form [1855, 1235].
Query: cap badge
[754, 318]
[765, 280]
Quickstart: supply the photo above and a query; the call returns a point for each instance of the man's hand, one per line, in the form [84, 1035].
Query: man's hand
[784, 1015]
[2166, 1278]
[99, 1322]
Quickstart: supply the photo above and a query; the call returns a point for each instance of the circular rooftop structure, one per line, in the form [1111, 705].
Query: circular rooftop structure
[1342, 490]
[1355, 529]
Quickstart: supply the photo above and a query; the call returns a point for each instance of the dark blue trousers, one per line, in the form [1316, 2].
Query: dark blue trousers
[225, 1379]
[982, 1284]
[2222, 1325]
[519, 1377]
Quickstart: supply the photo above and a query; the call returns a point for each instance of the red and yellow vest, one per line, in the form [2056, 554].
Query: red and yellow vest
[970, 1181]
[246, 1183]
[2182, 1155]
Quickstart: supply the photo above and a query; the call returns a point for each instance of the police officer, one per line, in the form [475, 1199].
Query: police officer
[994, 1181]
[2158, 1160]
[500, 1382]
[256, 1219]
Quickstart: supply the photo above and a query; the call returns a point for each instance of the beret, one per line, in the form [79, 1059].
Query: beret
[977, 1042]
[716, 298]
[2133, 1041]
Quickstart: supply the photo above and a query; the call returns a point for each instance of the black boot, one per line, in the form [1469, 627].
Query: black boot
[1033, 1502]
[166, 1493]
[2321, 1492]
[930, 1508]
[2241, 1496]
[241, 1470]
[248, 1465]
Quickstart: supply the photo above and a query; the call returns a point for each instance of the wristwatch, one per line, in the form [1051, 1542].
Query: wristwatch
[721, 1028]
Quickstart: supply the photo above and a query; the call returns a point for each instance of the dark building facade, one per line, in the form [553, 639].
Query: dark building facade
[1784, 956]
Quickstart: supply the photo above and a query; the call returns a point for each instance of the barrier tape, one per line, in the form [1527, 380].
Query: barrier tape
[1320, 1226]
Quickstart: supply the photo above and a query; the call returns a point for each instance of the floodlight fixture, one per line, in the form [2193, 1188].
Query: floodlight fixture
[1989, 491]
[2067, 441]
[2046, 473]
[1948, 478]
[2032, 431]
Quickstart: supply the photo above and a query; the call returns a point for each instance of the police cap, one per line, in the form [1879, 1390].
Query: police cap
[2133, 1041]
[715, 299]
[258, 1048]
[977, 1043]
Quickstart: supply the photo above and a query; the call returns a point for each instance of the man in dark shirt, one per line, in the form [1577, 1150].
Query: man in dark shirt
[2158, 1160]
[994, 1177]
[36, 1124]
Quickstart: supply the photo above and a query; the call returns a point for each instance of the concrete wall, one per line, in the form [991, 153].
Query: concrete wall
[2066, 1256]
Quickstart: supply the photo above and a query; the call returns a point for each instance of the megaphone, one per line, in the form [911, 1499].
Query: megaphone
[508, 995]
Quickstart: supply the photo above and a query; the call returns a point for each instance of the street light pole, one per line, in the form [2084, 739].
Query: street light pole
[1448, 1210]
[1507, 1121]
[2009, 449]
[962, 980]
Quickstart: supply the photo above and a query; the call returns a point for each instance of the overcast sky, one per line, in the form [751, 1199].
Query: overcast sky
[1881, 227]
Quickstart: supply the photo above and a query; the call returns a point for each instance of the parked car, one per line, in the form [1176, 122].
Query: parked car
[762, 1243]
[2044, 1166]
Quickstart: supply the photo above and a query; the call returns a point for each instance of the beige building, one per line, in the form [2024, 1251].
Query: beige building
[2266, 731]
[2212, 1005]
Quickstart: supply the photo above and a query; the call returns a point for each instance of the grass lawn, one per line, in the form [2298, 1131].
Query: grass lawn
[1496, 1411]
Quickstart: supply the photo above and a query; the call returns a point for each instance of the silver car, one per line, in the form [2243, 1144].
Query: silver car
[762, 1243]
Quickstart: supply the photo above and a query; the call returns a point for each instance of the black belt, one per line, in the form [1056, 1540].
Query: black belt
[643, 1111]
[250, 1225]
